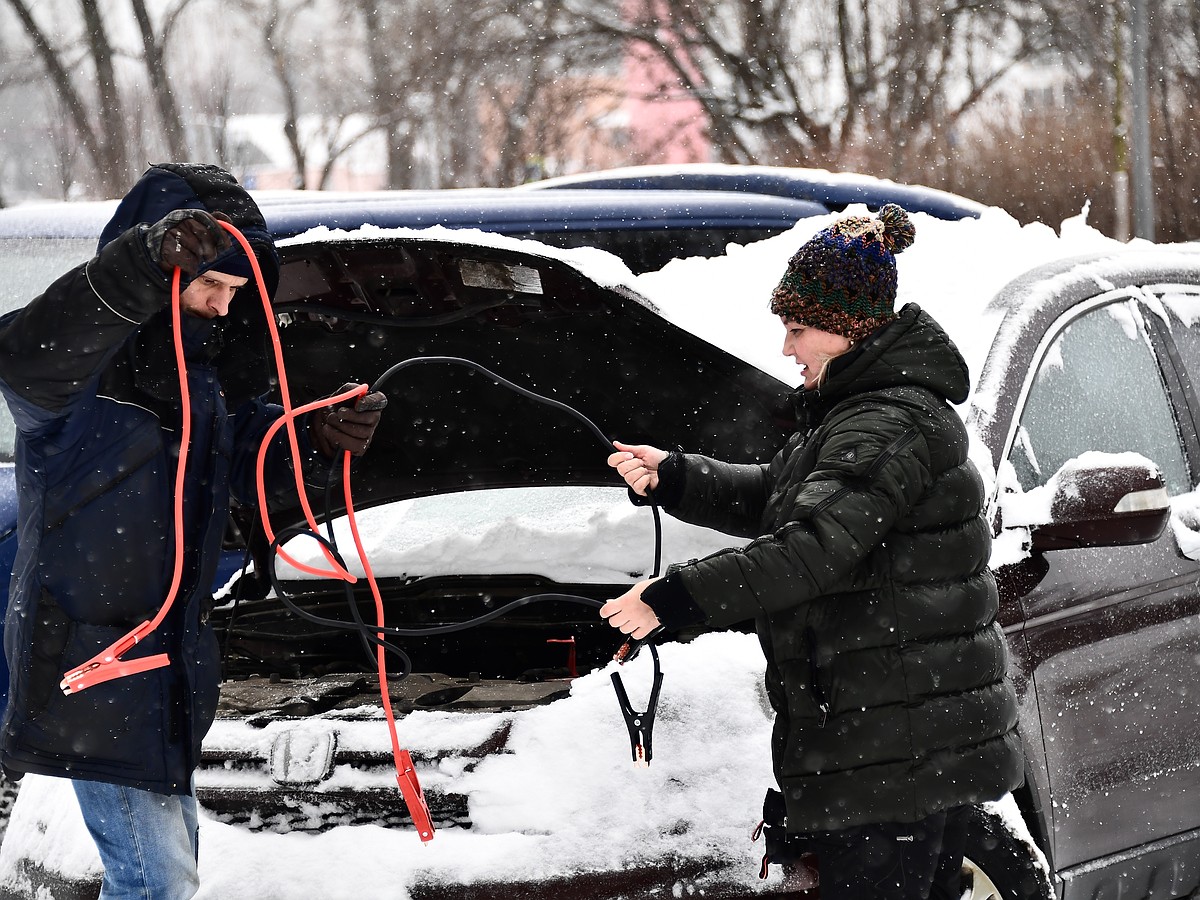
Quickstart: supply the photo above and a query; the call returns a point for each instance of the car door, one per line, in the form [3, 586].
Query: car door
[1112, 633]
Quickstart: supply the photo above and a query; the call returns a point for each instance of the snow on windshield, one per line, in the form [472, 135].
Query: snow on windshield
[583, 535]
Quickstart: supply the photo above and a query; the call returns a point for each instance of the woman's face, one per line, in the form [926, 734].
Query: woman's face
[811, 348]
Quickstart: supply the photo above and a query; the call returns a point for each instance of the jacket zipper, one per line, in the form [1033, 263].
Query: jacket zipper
[815, 687]
[889, 453]
[815, 683]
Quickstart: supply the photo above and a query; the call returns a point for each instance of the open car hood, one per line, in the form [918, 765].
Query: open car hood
[352, 309]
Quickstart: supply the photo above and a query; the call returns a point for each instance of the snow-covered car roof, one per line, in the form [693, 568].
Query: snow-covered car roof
[832, 190]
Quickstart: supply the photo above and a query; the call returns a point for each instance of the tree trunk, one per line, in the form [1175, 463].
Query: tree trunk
[160, 83]
[113, 163]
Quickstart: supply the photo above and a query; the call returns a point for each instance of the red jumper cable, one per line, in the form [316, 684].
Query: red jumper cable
[108, 664]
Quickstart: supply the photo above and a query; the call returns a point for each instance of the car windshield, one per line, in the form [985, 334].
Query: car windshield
[27, 267]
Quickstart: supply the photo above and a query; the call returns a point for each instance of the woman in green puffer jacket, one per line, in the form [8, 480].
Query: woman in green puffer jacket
[867, 577]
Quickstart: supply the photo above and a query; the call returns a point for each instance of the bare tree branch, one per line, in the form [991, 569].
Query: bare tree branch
[153, 52]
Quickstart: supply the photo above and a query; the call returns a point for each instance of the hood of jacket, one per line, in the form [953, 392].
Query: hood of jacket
[166, 187]
[911, 350]
[240, 338]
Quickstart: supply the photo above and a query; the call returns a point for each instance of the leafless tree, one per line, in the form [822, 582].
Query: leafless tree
[154, 52]
[805, 81]
[83, 75]
[1176, 137]
[96, 88]
[471, 91]
[313, 52]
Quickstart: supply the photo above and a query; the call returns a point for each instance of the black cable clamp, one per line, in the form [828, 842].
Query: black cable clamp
[640, 725]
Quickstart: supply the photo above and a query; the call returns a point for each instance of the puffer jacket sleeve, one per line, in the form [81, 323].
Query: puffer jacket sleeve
[720, 495]
[56, 345]
[872, 465]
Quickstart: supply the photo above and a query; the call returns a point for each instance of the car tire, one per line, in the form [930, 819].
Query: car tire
[8, 796]
[1001, 861]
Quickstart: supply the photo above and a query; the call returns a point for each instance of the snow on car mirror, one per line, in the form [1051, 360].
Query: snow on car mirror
[1095, 500]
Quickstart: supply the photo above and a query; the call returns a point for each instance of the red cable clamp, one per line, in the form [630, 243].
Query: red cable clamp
[414, 797]
[107, 665]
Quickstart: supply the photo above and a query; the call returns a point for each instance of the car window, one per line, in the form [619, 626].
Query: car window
[1183, 311]
[1098, 387]
[27, 267]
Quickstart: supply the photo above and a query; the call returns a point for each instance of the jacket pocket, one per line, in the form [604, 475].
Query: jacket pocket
[118, 723]
[51, 630]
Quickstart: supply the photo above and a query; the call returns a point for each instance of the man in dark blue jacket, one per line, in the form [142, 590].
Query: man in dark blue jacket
[89, 372]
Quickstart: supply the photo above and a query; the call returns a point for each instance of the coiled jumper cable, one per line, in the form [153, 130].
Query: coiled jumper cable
[107, 665]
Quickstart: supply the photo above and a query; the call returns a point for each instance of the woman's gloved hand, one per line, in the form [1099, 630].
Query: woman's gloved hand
[336, 429]
[186, 239]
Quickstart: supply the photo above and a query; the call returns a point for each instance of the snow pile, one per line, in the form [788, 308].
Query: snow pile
[565, 798]
[952, 270]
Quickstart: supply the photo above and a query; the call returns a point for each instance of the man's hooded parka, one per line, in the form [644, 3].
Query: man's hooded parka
[88, 370]
[868, 579]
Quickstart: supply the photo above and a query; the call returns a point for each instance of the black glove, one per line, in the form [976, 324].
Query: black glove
[335, 429]
[187, 239]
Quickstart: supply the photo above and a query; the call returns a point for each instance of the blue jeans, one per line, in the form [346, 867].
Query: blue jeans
[148, 842]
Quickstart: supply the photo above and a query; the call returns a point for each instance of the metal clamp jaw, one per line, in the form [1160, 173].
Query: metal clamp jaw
[107, 665]
[640, 725]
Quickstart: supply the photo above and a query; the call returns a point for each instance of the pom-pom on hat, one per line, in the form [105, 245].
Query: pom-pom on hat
[844, 279]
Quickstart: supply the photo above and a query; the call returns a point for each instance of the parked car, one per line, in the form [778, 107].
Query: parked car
[1086, 419]
[832, 190]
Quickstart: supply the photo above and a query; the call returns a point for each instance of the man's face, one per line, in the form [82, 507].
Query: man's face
[209, 294]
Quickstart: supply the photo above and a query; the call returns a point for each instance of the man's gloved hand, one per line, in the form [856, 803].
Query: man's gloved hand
[337, 428]
[187, 239]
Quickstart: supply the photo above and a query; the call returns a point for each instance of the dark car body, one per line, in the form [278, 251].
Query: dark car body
[1103, 619]
[1087, 395]
[832, 190]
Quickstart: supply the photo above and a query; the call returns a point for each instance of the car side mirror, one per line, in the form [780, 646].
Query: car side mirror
[1103, 502]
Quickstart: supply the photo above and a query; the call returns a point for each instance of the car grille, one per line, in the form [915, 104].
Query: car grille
[313, 754]
[316, 811]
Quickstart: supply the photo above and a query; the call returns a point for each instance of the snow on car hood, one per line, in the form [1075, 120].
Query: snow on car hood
[600, 266]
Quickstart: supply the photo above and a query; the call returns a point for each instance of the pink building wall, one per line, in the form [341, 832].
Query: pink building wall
[665, 125]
